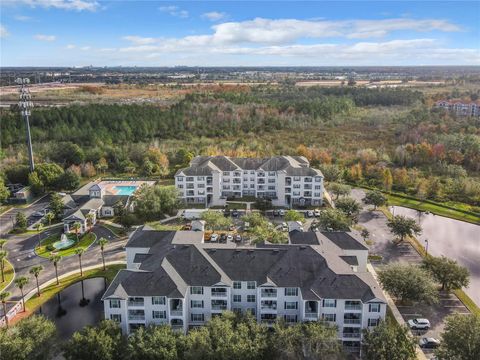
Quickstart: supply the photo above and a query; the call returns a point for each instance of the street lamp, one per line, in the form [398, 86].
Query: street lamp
[25, 105]
[426, 246]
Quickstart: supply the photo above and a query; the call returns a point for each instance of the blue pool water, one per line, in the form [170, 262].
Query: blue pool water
[125, 190]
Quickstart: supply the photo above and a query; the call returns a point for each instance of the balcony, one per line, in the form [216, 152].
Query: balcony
[176, 312]
[351, 335]
[136, 315]
[311, 315]
[268, 293]
[176, 307]
[219, 292]
[219, 305]
[136, 302]
[269, 305]
[352, 321]
[353, 305]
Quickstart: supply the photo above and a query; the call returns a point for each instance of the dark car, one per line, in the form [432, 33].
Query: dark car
[276, 213]
[429, 343]
[238, 238]
[223, 238]
[235, 213]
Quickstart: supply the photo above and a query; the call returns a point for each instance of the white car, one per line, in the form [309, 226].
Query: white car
[419, 324]
[229, 237]
[214, 237]
[310, 213]
[317, 212]
[281, 212]
[284, 227]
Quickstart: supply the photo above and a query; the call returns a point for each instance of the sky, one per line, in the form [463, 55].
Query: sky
[238, 33]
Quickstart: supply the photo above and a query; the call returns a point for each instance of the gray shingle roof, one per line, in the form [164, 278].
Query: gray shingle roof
[111, 200]
[144, 238]
[344, 240]
[303, 238]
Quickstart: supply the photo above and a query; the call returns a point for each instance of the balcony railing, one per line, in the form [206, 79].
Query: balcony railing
[176, 312]
[177, 327]
[268, 294]
[136, 317]
[272, 307]
[311, 315]
[351, 335]
[219, 294]
[219, 307]
[269, 321]
[352, 321]
[136, 303]
[353, 307]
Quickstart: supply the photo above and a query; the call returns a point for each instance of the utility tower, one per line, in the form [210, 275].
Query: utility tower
[25, 105]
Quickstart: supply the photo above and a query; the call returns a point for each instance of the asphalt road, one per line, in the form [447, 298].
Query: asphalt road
[7, 220]
[22, 256]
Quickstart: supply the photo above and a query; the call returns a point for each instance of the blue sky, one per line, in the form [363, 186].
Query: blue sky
[231, 33]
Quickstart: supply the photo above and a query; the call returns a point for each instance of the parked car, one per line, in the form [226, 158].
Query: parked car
[187, 227]
[229, 237]
[235, 213]
[223, 238]
[284, 226]
[214, 237]
[310, 213]
[429, 343]
[316, 212]
[276, 213]
[238, 238]
[281, 212]
[419, 324]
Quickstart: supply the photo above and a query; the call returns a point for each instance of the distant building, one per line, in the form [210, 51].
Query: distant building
[286, 180]
[460, 107]
[175, 278]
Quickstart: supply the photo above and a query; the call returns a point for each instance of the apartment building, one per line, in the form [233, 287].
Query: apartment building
[175, 278]
[460, 107]
[286, 180]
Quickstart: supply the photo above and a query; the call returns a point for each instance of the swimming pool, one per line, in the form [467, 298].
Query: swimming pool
[125, 190]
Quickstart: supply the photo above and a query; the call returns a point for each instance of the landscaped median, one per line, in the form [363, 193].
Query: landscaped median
[8, 273]
[46, 246]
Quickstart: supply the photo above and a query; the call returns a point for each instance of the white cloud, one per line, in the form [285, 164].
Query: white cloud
[85, 48]
[214, 15]
[42, 37]
[140, 40]
[22, 18]
[3, 32]
[70, 46]
[174, 11]
[78, 5]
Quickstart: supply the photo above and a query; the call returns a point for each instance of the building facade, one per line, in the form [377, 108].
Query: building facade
[460, 107]
[286, 180]
[176, 278]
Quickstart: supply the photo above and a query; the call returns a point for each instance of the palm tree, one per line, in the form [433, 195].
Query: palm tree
[76, 226]
[89, 220]
[102, 242]
[49, 217]
[3, 256]
[80, 252]
[3, 299]
[2, 243]
[20, 283]
[38, 226]
[35, 271]
[55, 259]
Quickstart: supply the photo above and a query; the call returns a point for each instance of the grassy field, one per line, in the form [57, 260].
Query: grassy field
[434, 209]
[165, 227]
[85, 241]
[47, 293]
[9, 273]
[115, 230]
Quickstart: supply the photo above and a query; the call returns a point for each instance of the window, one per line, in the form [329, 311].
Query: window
[197, 317]
[159, 314]
[251, 298]
[296, 178]
[271, 180]
[290, 318]
[237, 298]
[200, 178]
[201, 186]
[251, 285]
[158, 300]
[318, 187]
[373, 322]
[329, 303]
[291, 291]
[226, 173]
[222, 292]
[116, 317]
[196, 290]
[374, 307]
[318, 179]
[291, 305]
[189, 178]
[329, 317]
[115, 304]
[196, 304]
[237, 284]
[317, 194]
[180, 186]
[180, 178]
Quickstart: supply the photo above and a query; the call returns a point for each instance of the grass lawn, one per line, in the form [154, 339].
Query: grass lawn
[236, 206]
[8, 273]
[85, 241]
[435, 209]
[165, 227]
[115, 230]
[47, 293]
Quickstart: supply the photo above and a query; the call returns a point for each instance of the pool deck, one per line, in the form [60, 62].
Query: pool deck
[110, 185]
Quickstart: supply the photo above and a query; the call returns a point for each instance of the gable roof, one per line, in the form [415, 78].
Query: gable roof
[344, 240]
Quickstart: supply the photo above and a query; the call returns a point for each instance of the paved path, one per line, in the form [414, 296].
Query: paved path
[21, 255]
